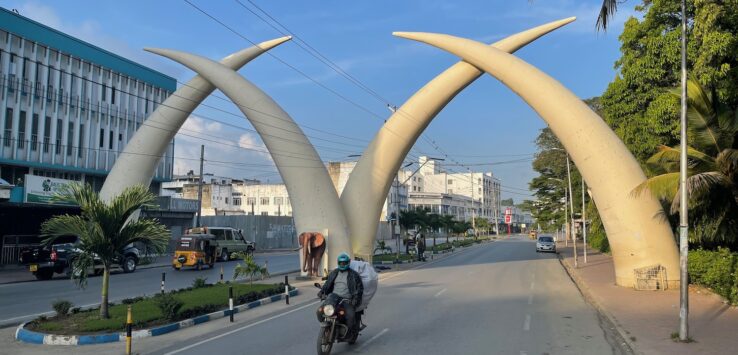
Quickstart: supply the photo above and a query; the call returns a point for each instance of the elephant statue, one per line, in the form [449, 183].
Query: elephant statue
[313, 247]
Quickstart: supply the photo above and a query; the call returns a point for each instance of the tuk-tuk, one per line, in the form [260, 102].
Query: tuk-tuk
[194, 250]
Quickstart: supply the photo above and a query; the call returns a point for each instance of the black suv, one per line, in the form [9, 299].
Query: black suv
[44, 261]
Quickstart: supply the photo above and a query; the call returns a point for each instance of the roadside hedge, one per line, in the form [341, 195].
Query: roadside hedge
[715, 270]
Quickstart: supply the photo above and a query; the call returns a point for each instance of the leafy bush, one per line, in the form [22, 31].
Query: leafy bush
[199, 282]
[199, 310]
[250, 268]
[132, 300]
[168, 305]
[715, 270]
[62, 307]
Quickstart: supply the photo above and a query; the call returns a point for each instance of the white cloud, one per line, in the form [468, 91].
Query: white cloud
[229, 151]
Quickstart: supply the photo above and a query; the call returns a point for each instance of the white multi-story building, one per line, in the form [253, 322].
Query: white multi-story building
[465, 195]
[68, 108]
[396, 198]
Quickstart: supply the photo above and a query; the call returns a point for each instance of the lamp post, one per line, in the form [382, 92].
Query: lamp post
[428, 159]
[571, 202]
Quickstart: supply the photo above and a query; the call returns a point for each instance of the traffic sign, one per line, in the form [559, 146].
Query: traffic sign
[508, 218]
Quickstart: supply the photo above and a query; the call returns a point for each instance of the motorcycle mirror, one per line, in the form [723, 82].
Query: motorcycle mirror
[317, 285]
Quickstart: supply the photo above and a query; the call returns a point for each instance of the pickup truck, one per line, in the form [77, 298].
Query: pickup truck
[44, 261]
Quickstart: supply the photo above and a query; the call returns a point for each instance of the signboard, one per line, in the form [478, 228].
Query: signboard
[40, 189]
[508, 218]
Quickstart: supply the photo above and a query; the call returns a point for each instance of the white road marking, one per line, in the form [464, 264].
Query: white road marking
[526, 324]
[241, 328]
[530, 299]
[366, 343]
[440, 292]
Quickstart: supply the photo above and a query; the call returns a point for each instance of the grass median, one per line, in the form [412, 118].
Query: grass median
[146, 313]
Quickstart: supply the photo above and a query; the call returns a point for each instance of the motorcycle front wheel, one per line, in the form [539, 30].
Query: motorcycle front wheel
[325, 343]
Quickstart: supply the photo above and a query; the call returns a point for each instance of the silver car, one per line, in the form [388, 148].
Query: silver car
[545, 243]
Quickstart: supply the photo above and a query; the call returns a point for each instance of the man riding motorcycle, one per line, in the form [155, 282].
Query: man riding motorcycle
[345, 283]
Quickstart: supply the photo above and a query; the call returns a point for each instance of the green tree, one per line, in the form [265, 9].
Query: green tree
[104, 229]
[637, 104]
[482, 224]
[249, 268]
[712, 181]
[448, 224]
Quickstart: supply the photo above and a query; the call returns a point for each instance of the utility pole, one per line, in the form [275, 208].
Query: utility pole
[474, 208]
[683, 221]
[497, 210]
[566, 216]
[199, 186]
[396, 221]
[571, 200]
[584, 222]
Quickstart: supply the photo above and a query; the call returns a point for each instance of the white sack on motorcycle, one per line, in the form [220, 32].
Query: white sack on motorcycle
[369, 278]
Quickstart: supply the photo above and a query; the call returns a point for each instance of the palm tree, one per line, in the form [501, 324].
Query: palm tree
[712, 184]
[448, 223]
[104, 229]
[607, 11]
[249, 268]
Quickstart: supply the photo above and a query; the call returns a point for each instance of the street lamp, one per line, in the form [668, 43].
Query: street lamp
[571, 201]
[427, 159]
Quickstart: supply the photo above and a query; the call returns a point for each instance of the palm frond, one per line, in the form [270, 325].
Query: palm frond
[607, 12]
[700, 186]
[662, 187]
[63, 225]
[81, 264]
[131, 200]
[146, 231]
[727, 163]
[667, 159]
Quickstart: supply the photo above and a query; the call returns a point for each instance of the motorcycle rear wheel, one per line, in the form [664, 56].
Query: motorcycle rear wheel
[325, 343]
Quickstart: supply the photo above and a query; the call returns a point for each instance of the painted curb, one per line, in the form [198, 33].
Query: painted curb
[27, 336]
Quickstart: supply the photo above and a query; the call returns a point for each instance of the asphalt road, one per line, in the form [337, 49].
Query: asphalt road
[26, 300]
[497, 298]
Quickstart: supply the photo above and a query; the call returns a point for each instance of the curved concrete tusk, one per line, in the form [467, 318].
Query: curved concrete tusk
[371, 178]
[638, 238]
[138, 161]
[314, 199]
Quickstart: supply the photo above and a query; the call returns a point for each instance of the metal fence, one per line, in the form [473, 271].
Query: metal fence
[269, 232]
[12, 245]
[650, 278]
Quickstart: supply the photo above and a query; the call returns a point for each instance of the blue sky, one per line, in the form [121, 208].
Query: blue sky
[486, 123]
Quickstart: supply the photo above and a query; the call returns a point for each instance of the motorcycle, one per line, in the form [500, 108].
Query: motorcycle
[333, 328]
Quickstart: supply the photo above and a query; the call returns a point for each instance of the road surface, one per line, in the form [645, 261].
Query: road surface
[24, 301]
[496, 298]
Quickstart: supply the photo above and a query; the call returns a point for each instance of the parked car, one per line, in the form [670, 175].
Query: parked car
[227, 241]
[545, 243]
[45, 261]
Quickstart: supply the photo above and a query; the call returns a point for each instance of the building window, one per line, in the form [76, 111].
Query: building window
[22, 130]
[47, 133]
[102, 137]
[59, 128]
[104, 92]
[81, 140]
[450, 182]
[8, 126]
[250, 201]
[70, 138]
[264, 201]
[112, 95]
[278, 201]
[265, 213]
[34, 132]
[226, 200]
[236, 201]
[110, 140]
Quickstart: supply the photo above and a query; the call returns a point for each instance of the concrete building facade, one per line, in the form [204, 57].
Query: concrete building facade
[67, 108]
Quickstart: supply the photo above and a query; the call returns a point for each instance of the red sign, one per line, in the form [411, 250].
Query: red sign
[508, 211]
[508, 218]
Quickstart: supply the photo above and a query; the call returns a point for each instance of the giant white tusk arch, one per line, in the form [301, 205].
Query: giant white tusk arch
[638, 236]
[314, 199]
[370, 181]
[138, 161]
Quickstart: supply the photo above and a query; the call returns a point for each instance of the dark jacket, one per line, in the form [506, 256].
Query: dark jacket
[356, 288]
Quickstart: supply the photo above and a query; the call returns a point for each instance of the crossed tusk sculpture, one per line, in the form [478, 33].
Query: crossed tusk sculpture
[638, 236]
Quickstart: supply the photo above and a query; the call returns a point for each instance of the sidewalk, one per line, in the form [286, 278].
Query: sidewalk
[646, 319]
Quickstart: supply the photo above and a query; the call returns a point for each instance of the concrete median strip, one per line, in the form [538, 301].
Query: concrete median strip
[27, 336]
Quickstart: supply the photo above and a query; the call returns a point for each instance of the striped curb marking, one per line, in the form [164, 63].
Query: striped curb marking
[32, 337]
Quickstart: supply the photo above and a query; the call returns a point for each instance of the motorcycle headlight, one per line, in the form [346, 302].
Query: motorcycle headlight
[328, 310]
